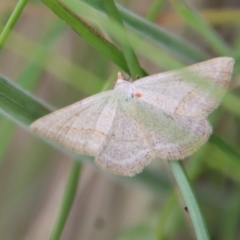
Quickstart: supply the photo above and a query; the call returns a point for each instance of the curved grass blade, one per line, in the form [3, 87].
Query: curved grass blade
[130, 56]
[88, 33]
[190, 200]
[18, 104]
[181, 48]
[12, 20]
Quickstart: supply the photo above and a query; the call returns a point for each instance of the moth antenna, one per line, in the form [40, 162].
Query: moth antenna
[120, 76]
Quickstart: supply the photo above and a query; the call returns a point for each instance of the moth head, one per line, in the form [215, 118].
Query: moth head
[126, 91]
[123, 90]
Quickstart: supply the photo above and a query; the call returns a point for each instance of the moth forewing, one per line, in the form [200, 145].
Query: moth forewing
[160, 116]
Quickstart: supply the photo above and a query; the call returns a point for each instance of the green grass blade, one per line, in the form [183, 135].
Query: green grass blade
[177, 46]
[174, 44]
[11, 22]
[68, 198]
[18, 104]
[190, 200]
[88, 33]
[130, 57]
[147, 49]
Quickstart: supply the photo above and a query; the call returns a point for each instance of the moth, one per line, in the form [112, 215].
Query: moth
[160, 116]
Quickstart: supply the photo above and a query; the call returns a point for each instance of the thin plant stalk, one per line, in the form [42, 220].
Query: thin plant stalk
[11, 21]
[68, 198]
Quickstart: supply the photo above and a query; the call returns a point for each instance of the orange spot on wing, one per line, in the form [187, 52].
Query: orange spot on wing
[138, 94]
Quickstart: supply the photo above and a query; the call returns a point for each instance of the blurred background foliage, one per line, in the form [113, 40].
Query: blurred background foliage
[46, 57]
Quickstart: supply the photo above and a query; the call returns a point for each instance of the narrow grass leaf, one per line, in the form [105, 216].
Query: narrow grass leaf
[176, 45]
[87, 32]
[11, 22]
[67, 202]
[18, 104]
[130, 57]
[190, 200]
